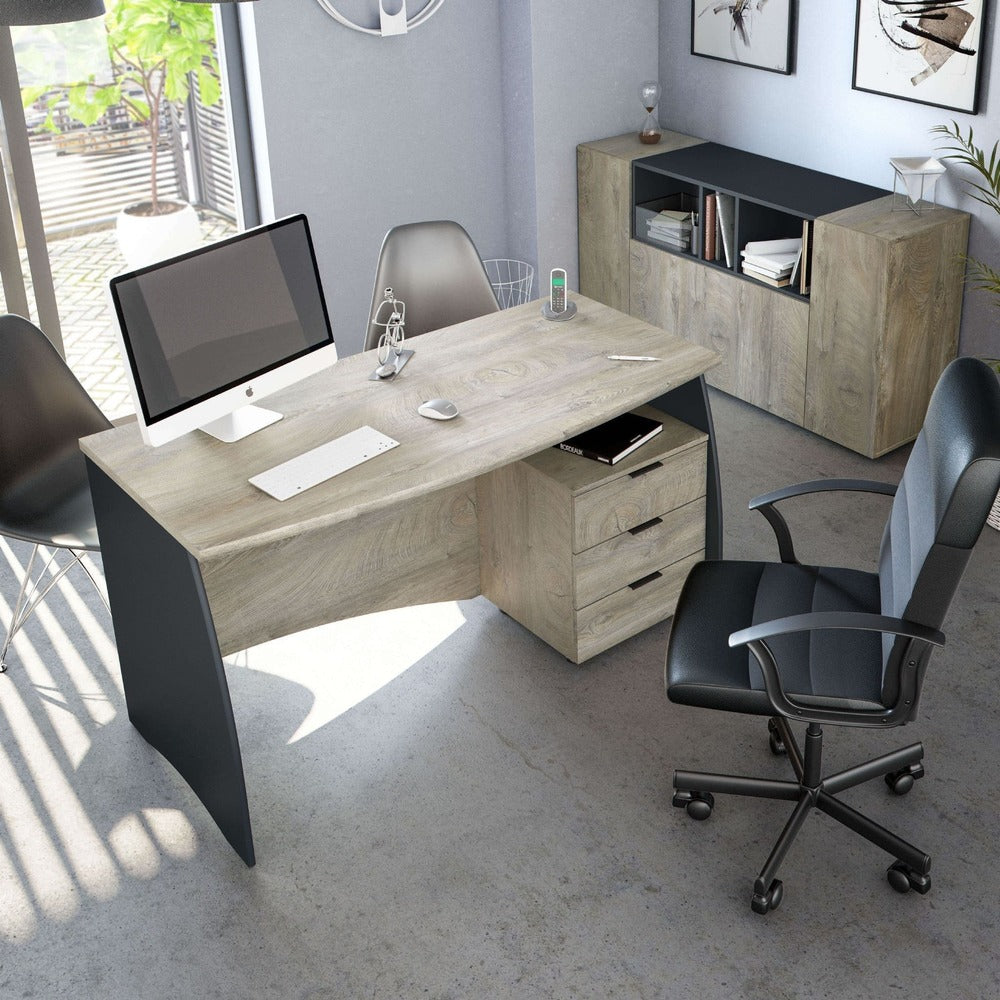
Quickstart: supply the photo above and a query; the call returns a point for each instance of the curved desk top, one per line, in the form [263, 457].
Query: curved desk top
[521, 384]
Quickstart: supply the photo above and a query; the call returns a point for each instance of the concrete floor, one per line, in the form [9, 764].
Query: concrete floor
[443, 807]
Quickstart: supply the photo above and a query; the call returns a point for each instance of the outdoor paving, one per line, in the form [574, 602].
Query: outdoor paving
[81, 266]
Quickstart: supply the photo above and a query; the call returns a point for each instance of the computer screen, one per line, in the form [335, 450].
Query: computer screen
[206, 332]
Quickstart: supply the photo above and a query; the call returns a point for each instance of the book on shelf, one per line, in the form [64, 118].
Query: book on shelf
[726, 209]
[768, 247]
[771, 272]
[805, 266]
[613, 440]
[708, 249]
[670, 240]
[751, 272]
[771, 262]
[794, 279]
[669, 219]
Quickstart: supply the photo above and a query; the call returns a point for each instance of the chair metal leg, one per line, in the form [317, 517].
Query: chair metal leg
[767, 890]
[32, 593]
[876, 768]
[734, 784]
[873, 832]
[15, 619]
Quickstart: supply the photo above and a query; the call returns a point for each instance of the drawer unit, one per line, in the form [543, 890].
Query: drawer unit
[585, 554]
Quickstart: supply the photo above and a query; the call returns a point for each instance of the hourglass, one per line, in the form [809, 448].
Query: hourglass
[649, 94]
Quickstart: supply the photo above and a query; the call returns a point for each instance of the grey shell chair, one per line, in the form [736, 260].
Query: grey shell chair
[435, 269]
[44, 492]
[827, 645]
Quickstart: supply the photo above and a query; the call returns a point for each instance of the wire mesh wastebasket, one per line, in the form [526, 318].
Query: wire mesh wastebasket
[511, 280]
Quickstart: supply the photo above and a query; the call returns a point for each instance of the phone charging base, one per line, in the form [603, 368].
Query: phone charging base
[568, 313]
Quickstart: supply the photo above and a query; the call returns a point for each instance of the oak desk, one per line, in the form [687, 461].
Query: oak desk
[200, 564]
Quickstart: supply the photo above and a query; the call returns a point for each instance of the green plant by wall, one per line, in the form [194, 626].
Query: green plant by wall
[154, 47]
[963, 149]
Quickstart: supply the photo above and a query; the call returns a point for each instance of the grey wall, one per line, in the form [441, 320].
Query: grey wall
[814, 118]
[364, 133]
[474, 116]
[588, 60]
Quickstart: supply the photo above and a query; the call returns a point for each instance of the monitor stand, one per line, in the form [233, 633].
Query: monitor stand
[240, 423]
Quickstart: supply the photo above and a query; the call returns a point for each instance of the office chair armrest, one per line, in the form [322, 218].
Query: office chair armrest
[766, 501]
[754, 638]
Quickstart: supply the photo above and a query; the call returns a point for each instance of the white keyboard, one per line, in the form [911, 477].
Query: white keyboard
[320, 464]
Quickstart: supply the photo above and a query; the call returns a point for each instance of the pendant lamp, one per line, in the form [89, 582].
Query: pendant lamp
[49, 12]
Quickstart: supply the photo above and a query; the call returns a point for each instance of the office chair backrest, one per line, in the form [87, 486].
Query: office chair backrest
[948, 487]
[435, 269]
[44, 411]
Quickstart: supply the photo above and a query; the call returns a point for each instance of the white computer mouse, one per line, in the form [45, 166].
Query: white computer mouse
[438, 409]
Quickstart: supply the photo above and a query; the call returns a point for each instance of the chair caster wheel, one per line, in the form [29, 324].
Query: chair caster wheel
[698, 804]
[774, 740]
[764, 902]
[903, 878]
[901, 781]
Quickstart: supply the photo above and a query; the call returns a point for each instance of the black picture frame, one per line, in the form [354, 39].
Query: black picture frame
[934, 62]
[739, 32]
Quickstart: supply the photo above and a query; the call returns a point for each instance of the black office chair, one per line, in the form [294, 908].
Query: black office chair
[435, 269]
[44, 492]
[842, 646]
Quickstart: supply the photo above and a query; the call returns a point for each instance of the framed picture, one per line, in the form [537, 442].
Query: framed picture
[926, 51]
[754, 33]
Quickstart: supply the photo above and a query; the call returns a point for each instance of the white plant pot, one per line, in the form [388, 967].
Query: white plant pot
[144, 239]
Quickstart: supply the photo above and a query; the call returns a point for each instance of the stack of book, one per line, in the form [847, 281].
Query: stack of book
[672, 228]
[773, 262]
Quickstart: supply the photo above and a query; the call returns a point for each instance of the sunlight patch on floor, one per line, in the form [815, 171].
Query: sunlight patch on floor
[344, 663]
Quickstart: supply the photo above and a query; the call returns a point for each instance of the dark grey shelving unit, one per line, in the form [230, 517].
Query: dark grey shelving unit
[771, 198]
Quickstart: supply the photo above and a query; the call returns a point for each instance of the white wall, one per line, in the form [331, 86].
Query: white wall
[814, 118]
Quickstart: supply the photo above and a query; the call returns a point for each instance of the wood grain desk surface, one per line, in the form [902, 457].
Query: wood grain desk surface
[521, 383]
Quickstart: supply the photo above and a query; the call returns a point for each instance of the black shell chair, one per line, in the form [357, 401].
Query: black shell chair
[44, 492]
[823, 645]
[435, 269]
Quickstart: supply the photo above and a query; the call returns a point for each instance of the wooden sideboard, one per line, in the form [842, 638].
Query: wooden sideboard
[854, 360]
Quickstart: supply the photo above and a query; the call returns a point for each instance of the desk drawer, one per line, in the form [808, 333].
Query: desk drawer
[635, 497]
[610, 566]
[601, 625]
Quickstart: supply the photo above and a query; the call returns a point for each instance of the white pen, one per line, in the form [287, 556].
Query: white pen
[631, 357]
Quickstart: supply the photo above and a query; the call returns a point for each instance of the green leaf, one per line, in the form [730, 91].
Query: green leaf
[31, 94]
[209, 88]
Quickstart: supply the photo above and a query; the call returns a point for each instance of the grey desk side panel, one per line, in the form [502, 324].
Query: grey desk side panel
[175, 683]
[689, 402]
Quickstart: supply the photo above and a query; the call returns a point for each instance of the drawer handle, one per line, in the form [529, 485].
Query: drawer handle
[640, 528]
[645, 469]
[645, 580]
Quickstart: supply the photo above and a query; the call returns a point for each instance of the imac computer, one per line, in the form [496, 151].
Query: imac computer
[206, 333]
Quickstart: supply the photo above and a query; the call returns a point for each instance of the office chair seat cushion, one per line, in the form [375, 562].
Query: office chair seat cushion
[51, 504]
[837, 668]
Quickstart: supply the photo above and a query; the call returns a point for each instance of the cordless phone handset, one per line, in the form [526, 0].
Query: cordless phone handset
[557, 291]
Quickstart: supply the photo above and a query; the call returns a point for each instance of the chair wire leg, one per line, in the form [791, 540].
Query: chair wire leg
[93, 579]
[31, 595]
[15, 618]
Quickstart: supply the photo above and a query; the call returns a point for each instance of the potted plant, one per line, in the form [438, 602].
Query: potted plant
[987, 191]
[154, 46]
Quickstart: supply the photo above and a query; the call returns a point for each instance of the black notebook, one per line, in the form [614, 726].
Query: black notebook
[612, 441]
